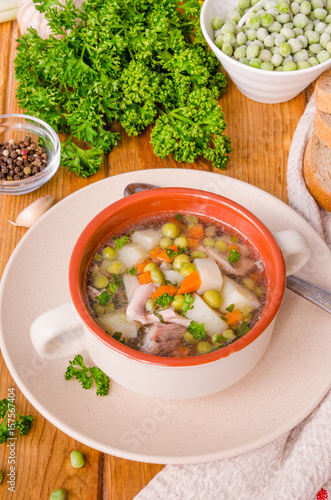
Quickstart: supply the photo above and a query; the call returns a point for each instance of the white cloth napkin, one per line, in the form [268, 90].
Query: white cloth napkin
[296, 466]
[299, 197]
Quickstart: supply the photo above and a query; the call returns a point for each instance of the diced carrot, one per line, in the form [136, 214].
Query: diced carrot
[175, 221]
[164, 256]
[155, 252]
[191, 283]
[169, 289]
[233, 247]
[196, 232]
[192, 243]
[140, 267]
[181, 351]
[234, 317]
[255, 276]
[145, 278]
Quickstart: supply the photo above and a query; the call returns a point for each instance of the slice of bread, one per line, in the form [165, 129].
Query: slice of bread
[317, 171]
[323, 92]
[322, 126]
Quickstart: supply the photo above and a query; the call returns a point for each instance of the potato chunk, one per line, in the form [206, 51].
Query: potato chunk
[239, 295]
[210, 274]
[202, 313]
[147, 238]
[132, 254]
[117, 322]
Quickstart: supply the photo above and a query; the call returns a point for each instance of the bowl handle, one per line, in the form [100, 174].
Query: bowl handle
[57, 333]
[295, 249]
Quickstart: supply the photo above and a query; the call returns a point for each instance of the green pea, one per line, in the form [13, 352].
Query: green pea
[222, 245]
[315, 48]
[110, 307]
[251, 35]
[305, 7]
[219, 41]
[267, 66]
[252, 51]
[283, 7]
[300, 21]
[208, 242]
[285, 49]
[255, 62]
[150, 266]
[217, 23]
[227, 49]
[178, 302]
[157, 276]
[320, 13]
[249, 283]
[58, 495]
[191, 219]
[197, 254]
[313, 61]
[290, 66]
[230, 38]
[181, 242]
[109, 252]
[179, 260]
[171, 230]
[266, 20]
[98, 308]
[189, 339]
[187, 269]
[229, 334]
[77, 459]
[97, 257]
[265, 55]
[217, 338]
[276, 60]
[323, 56]
[116, 267]
[213, 298]
[150, 305]
[204, 347]
[303, 65]
[165, 242]
[241, 38]
[243, 4]
[100, 281]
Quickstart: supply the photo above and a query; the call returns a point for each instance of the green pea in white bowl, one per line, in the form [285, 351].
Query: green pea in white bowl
[260, 85]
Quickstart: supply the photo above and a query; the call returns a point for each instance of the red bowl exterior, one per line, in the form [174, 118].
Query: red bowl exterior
[135, 207]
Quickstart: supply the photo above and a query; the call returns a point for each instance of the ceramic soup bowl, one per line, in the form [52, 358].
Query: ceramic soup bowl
[69, 329]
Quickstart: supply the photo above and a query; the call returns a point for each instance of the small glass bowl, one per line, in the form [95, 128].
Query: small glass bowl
[17, 126]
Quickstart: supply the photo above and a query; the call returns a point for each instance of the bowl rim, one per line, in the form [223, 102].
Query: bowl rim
[276, 74]
[23, 185]
[74, 275]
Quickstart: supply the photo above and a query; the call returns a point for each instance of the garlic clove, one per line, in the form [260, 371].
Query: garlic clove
[33, 212]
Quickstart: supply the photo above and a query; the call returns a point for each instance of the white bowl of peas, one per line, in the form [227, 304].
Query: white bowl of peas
[276, 51]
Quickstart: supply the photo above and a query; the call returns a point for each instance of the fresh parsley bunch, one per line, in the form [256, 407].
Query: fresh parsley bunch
[136, 62]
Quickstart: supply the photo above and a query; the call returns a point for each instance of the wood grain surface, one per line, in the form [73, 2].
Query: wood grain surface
[261, 136]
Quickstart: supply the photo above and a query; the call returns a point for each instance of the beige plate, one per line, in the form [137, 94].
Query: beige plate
[282, 390]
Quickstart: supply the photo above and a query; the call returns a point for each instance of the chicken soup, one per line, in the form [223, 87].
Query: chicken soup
[176, 286]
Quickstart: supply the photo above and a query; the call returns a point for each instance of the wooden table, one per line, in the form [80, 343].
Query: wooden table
[261, 136]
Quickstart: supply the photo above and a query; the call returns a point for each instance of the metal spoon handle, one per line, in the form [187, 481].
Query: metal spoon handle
[314, 293]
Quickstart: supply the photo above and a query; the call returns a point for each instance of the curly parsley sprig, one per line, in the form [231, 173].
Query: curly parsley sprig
[8, 425]
[86, 375]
